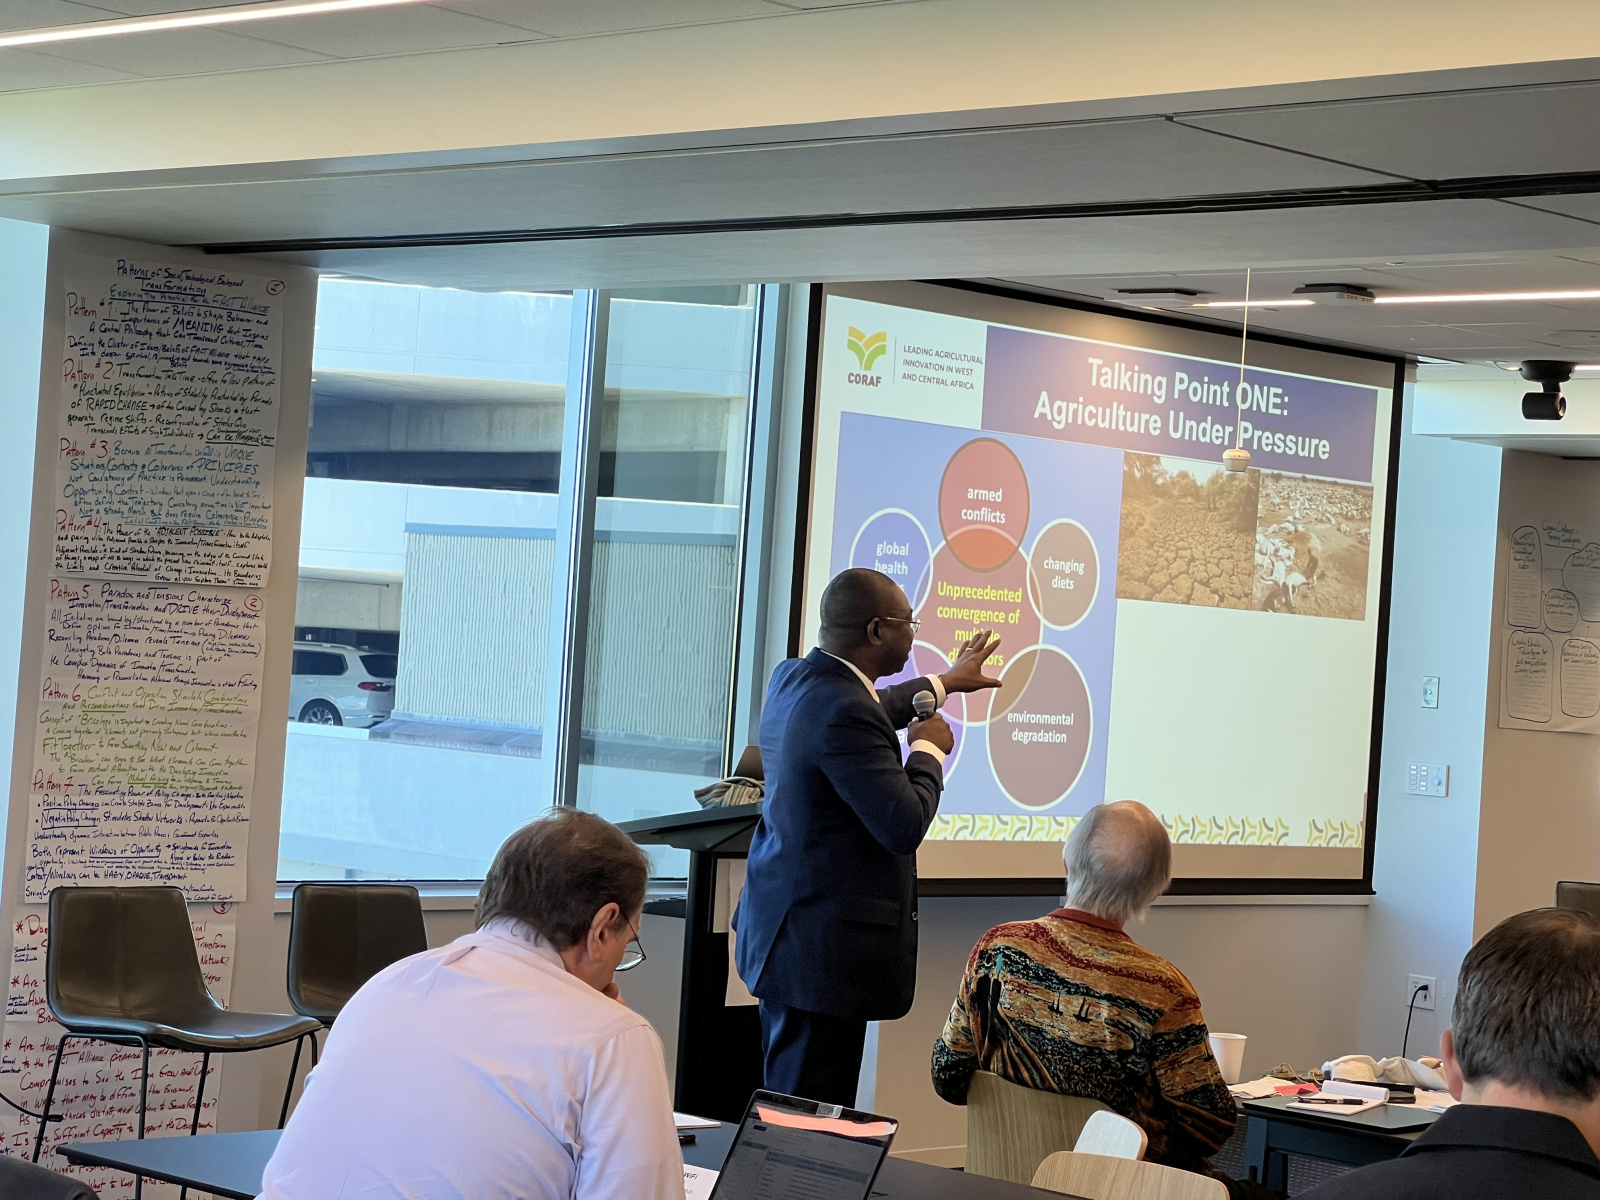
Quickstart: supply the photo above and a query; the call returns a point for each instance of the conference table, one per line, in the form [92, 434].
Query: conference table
[1276, 1132]
[231, 1164]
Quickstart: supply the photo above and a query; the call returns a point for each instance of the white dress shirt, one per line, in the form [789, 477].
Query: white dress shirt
[922, 744]
[483, 1070]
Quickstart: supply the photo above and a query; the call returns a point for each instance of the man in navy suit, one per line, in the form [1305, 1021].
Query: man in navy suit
[827, 934]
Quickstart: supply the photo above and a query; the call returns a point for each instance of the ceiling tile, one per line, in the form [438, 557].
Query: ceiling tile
[155, 8]
[47, 14]
[21, 70]
[408, 29]
[182, 52]
[581, 18]
[1503, 131]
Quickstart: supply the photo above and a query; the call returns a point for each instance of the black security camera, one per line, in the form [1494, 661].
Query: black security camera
[1548, 404]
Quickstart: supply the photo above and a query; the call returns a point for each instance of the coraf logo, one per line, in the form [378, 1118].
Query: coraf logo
[868, 349]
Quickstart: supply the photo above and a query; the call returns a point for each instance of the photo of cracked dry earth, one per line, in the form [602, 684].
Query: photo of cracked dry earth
[1313, 546]
[1188, 533]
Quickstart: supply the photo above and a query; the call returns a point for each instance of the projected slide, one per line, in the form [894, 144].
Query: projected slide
[1199, 640]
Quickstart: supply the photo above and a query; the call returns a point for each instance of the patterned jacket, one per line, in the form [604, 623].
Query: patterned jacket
[1071, 1004]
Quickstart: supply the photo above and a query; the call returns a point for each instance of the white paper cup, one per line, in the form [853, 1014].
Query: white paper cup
[1229, 1049]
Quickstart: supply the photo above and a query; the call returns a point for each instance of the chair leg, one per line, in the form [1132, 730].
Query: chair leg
[200, 1092]
[283, 1115]
[144, 1083]
[49, 1095]
[313, 1052]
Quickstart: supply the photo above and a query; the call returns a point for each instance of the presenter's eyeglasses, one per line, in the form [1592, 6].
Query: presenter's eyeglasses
[911, 621]
[634, 954]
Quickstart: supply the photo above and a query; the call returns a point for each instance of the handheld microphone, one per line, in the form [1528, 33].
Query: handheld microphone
[924, 704]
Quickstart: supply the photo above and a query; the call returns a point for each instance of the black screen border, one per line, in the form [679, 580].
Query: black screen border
[1183, 886]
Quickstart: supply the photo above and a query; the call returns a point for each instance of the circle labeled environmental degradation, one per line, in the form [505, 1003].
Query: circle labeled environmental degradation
[983, 504]
[893, 541]
[1066, 573]
[1040, 728]
[961, 601]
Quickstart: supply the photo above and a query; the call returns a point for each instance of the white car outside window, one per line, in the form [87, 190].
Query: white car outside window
[341, 685]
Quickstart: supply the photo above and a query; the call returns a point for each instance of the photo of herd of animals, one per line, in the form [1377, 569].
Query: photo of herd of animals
[1194, 534]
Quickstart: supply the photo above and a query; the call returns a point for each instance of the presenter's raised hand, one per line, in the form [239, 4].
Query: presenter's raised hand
[966, 675]
[934, 730]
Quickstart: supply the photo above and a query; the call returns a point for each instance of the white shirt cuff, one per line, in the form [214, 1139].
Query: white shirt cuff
[938, 690]
[928, 747]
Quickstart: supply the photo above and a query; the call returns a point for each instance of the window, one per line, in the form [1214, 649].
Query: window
[662, 608]
[381, 666]
[429, 559]
[318, 662]
[426, 544]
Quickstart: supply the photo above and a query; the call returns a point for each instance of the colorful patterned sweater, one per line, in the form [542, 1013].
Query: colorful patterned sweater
[1071, 1004]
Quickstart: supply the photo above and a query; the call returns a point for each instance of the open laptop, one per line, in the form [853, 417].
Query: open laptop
[793, 1149]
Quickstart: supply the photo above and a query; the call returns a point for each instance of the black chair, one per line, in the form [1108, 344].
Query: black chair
[23, 1181]
[122, 967]
[341, 935]
[1585, 897]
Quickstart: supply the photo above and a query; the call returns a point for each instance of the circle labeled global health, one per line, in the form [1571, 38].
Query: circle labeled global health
[1040, 728]
[983, 504]
[893, 542]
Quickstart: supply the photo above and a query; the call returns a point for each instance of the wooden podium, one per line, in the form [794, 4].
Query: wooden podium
[719, 1045]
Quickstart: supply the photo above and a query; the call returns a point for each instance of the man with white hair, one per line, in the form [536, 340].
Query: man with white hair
[1070, 1003]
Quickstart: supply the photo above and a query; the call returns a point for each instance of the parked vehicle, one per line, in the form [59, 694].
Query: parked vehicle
[340, 685]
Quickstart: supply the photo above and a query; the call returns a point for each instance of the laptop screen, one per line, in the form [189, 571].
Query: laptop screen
[792, 1149]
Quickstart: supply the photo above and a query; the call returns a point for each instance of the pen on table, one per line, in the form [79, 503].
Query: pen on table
[1330, 1100]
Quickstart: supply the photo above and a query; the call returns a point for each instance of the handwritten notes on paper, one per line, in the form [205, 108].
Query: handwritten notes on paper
[168, 419]
[1550, 672]
[97, 1092]
[144, 745]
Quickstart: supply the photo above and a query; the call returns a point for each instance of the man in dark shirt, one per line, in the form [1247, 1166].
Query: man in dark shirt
[1524, 1060]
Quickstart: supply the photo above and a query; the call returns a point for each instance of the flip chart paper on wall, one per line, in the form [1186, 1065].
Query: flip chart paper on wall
[168, 419]
[1550, 641]
[144, 744]
[98, 1089]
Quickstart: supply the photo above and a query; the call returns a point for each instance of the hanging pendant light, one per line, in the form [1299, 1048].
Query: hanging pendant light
[1237, 458]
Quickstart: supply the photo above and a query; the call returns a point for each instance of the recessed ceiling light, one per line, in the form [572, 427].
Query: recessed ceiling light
[189, 20]
[1335, 293]
[1443, 298]
[1492, 297]
[1256, 304]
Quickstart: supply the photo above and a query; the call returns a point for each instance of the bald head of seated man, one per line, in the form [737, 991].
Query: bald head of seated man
[503, 1066]
[1070, 1003]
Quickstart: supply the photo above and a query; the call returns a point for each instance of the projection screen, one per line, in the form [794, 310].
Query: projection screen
[1206, 642]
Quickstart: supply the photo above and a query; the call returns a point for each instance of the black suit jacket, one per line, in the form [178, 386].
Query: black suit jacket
[1480, 1151]
[827, 922]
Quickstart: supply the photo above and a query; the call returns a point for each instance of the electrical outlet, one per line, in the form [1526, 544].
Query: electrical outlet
[1428, 997]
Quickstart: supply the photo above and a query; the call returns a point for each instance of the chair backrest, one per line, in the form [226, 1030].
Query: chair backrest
[1585, 897]
[21, 1180]
[1113, 1135]
[1096, 1177]
[342, 934]
[122, 952]
[1012, 1129]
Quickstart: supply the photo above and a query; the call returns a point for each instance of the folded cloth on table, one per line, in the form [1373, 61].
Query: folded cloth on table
[1410, 1072]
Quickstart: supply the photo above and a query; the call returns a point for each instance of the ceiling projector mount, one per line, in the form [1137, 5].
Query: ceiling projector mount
[1548, 404]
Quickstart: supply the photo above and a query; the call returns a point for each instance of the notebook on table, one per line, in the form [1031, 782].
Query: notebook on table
[793, 1149]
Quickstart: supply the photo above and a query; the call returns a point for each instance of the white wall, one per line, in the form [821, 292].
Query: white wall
[23, 250]
[1424, 869]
